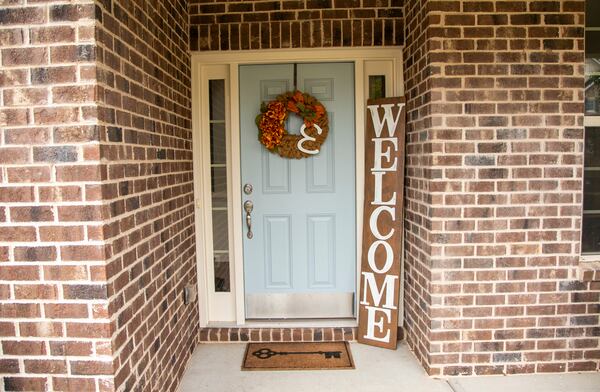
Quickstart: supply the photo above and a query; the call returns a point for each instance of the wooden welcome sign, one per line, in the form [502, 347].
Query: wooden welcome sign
[382, 224]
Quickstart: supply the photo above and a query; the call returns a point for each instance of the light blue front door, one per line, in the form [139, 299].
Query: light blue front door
[301, 260]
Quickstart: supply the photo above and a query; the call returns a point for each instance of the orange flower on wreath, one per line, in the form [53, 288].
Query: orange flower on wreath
[319, 110]
[271, 124]
[298, 97]
[291, 105]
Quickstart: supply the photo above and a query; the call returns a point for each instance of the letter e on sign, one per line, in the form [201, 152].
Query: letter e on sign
[382, 225]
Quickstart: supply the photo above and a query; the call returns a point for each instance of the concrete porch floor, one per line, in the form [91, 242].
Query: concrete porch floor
[216, 367]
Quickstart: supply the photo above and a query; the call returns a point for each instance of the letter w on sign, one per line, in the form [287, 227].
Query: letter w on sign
[382, 226]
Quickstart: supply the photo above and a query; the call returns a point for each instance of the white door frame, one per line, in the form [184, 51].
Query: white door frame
[227, 309]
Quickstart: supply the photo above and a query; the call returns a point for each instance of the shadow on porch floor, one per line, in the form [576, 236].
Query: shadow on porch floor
[216, 368]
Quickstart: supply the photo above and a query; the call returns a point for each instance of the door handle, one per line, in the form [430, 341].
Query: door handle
[248, 207]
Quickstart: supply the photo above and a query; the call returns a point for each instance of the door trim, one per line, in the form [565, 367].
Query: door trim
[366, 61]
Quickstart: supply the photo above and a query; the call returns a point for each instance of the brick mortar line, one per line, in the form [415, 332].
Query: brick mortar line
[67, 339]
[62, 339]
[51, 223]
[29, 67]
[65, 301]
[47, 204]
[54, 105]
[50, 45]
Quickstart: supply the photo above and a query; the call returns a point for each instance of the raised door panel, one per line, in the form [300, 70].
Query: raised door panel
[321, 251]
[320, 169]
[275, 174]
[278, 252]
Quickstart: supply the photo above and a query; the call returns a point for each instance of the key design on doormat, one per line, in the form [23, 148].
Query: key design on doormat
[266, 353]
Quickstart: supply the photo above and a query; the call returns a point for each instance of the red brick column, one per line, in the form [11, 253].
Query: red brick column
[96, 199]
[54, 329]
[418, 222]
[494, 192]
[144, 94]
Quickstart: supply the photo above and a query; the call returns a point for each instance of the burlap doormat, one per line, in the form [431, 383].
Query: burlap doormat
[298, 356]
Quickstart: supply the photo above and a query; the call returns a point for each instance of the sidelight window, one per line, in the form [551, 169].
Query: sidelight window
[218, 182]
[591, 198]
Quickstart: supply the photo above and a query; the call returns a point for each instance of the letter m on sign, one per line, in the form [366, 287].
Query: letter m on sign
[382, 225]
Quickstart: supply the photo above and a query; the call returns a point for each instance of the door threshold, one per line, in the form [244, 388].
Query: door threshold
[289, 323]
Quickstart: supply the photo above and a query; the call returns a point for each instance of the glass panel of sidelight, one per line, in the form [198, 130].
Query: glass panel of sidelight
[221, 261]
[376, 86]
[592, 147]
[590, 241]
[220, 231]
[216, 91]
[592, 13]
[218, 182]
[592, 73]
[218, 146]
[591, 190]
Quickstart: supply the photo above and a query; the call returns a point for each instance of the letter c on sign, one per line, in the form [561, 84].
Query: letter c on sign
[373, 222]
[389, 257]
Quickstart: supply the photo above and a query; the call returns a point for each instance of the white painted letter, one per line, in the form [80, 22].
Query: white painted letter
[370, 286]
[379, 154]
[373, 222]
[372, 323]
[388, 118]
[389, 257]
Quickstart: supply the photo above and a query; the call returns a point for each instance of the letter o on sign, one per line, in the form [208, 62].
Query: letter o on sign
[389, 257]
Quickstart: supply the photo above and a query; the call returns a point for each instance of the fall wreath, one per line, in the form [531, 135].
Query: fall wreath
[273, 135]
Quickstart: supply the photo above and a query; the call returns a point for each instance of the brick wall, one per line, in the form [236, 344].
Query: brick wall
[54, 330]
[417, 221]
[240, 25]
[144, 89]
[494, 189]
[96, 204]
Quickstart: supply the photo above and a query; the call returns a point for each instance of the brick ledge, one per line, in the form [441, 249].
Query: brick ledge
[299, 334]
[589, 271]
